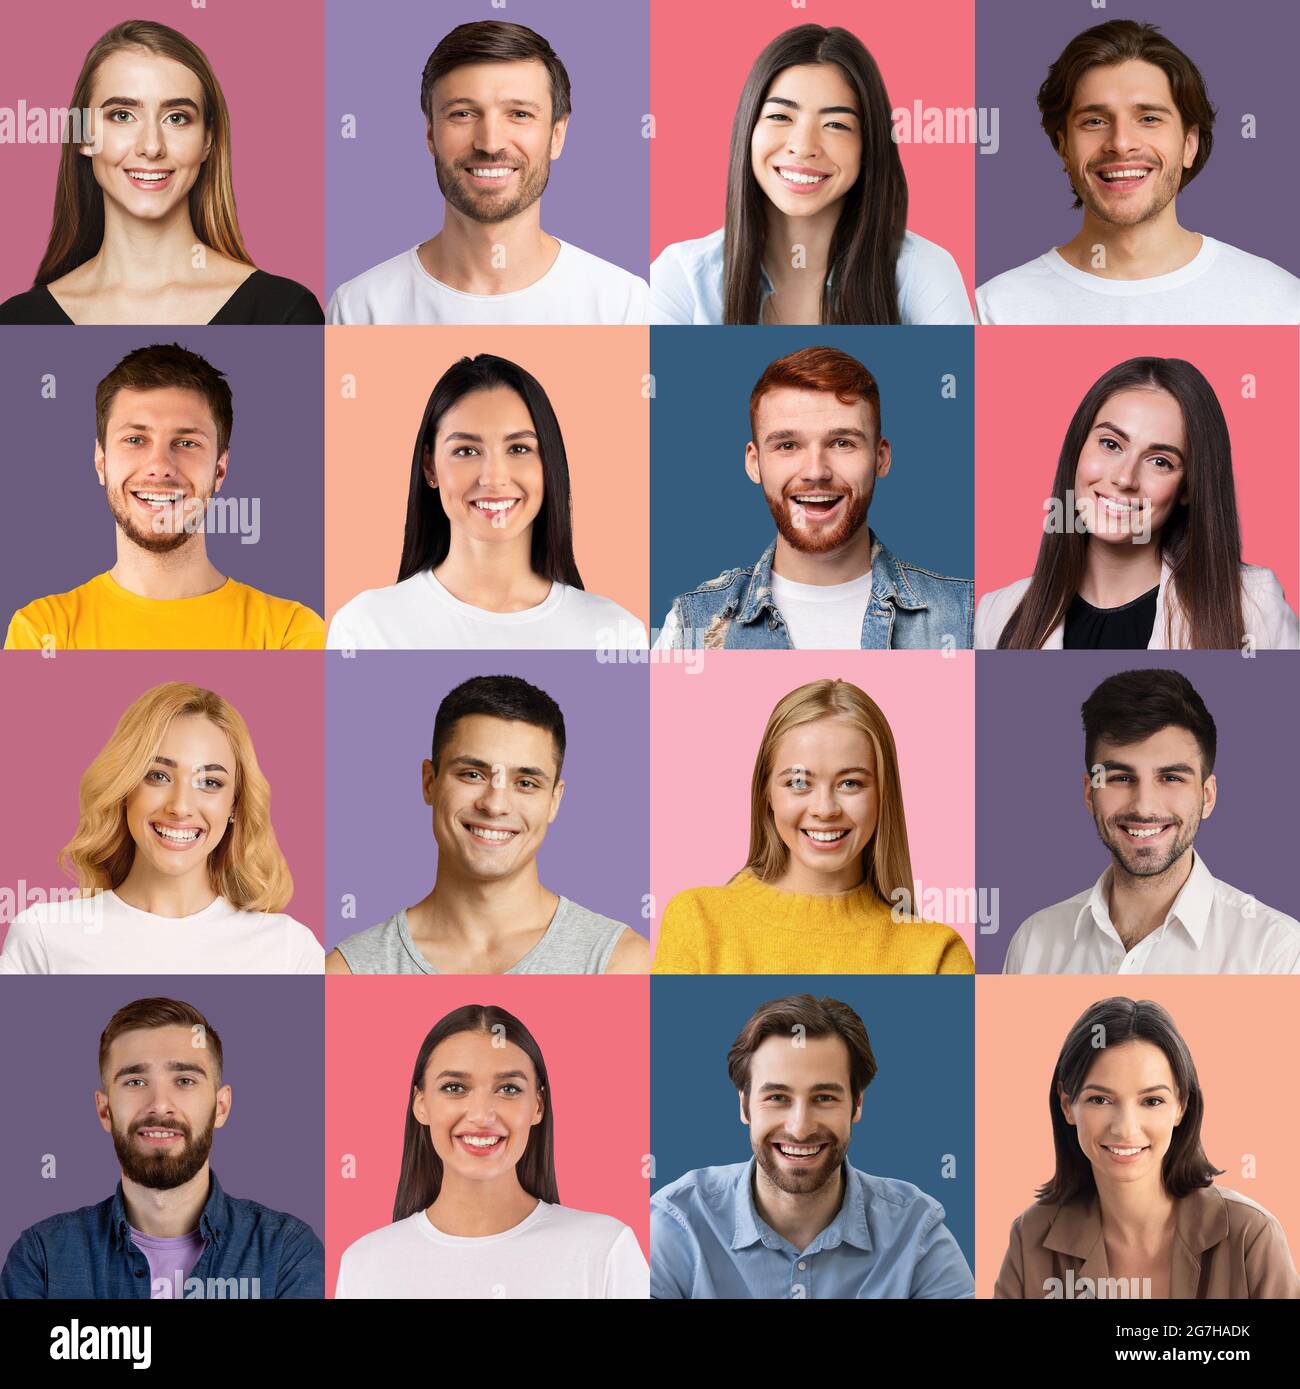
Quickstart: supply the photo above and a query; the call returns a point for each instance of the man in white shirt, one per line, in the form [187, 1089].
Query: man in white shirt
[1149, 749]
[496, 106]
[1129, 116]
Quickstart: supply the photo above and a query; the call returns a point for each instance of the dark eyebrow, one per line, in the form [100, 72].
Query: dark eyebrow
[821, 111]
[480, 766]
[1101, 109]
[204, 767]
[465, 1075]
[777, 436]
[1150, 1089]
[170, 104]
[1151, 448]
[478, 438]
[505, 101]
[142, 1068]
[148, 428]
[806, 771]
[824, 1085]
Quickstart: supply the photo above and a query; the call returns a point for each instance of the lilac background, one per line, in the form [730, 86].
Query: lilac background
[1035, 840]
[56, 530]
[1246, 53]
[381, 192]
[272, 1034]
[379, 712]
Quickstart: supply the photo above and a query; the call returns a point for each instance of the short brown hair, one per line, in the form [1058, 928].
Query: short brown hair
[817, 369]
[157, 367]
[159, 1012]
[495, 41]
[1123, 41]
[818, 1017]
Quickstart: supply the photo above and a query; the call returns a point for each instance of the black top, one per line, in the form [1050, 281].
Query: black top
[262, 298]
[1127, 628]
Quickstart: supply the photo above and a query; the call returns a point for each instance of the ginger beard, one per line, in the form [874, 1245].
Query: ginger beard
[182, 526]
[161, 1169]
[816, 540]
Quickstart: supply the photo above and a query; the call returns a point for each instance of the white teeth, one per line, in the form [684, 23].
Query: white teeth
[496, 506]
[1143, 834]
[803, 178]
[157, 496]
[790, 1151]
[1119, 508]
[180, 836]
[1114, 175]
[160, 1133]
[480, 1142]
[809, 498]
[491, 173]
[150, 178]
[492, 836]
[1124, 1152]
[825, 836]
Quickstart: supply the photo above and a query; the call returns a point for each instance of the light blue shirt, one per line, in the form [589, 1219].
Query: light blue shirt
[888, 1239]
[686, 283]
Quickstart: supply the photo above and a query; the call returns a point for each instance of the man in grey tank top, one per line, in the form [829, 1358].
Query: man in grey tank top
[493, 783]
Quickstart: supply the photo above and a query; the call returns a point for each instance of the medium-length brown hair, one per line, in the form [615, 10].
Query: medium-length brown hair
[803, 1015]
[77, 226]
[495, 41]
[1123, 41]
[161, 1012]
[163, 365]
[817, 369]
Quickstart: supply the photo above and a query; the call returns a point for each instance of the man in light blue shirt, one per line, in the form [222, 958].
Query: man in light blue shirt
[797, 1220]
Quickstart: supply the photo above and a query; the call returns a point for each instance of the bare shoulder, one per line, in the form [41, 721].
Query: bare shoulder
[336, 964]
[631, 954]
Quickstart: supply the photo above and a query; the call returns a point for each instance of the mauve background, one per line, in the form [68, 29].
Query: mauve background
[272, 1036]
[1246, 54]
[379, 712]
[1035, 840]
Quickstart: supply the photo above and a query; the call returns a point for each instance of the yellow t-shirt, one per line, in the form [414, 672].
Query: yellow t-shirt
[101, 615]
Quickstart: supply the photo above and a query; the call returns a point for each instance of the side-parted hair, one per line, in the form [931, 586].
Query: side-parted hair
[1201, 540]
[77, 226]
[862, 282]
[1123, 41]
[495, 41]
[427, 541]
[817, 369]
[1109, 1023]
[420, 1179]
[161, 1012]
[1131, 706]
[498, 697]
[247, 868]
[163, 365]
[886, 859]
[804, 1016]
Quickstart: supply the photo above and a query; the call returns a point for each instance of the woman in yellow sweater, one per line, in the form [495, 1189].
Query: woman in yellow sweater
[829, 876]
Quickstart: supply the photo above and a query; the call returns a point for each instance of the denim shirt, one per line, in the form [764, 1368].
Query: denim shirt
[250, 1251]
[910, 608]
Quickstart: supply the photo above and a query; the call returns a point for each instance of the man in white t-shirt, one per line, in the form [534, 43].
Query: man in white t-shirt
[1129, 116]
[496, 106]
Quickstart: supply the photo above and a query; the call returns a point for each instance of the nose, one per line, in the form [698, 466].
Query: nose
[488, 132]
[179, 795]
[801, 1123]
[493, 797]
[804, 137]
[160, 458]
[493, 471]
[1125, 135]
[1124, 1129]
[151, 142]
[481, 1111]
[1123, 471]
[818, 466]
[824, 805]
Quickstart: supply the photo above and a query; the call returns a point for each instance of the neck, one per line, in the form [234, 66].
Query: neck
[1155, 247]
[798, 877]
[1136, 1215]
[478, 914]
[1139, 905]
[480, 1208]
[166, 1214]
[148, 891]
[185, 572]
[144, 256]
[850, 561]
[489, 257]
[1115, 574]
[796, 249]
[797, 1217]
[497, 578]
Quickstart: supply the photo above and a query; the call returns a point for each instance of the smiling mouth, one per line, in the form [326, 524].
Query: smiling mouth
[1125, 1152]
[825, 836]
[480, 1144]
[496, 173]
[490, 836]
[170, 834]
[1141, 832]
[801, 180]
[149, 178]
[160, 1135]
[817, 505]
[1125, 177]
[155, 501]
[496, 507]
[1112, 507]
[800, 1152]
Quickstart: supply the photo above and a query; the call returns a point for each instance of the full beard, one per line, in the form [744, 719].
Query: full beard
[1165, 189]
[811, 541]
[1122, 848]
[532, 184]
[805, 1180]
[156, 542]
[161, 1171]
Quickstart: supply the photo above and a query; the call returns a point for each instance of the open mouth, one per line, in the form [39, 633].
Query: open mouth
[825, 839]
[496, 509]
[1144, 834]
[490, 175]
[160, 1137]
[817, 506]
[157, 501]
[1124, 1154]
[1120, 511]
[174, 836]
[486, 835]
[801, 180]
[1128, 176]
[800, 1154]
[150, 178]
[480, 1144]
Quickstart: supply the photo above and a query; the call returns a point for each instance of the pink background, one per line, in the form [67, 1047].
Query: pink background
[594, 1033]
[270, 62]
[1029, 382]
[58, 714]
[700, 55]
[705, 729]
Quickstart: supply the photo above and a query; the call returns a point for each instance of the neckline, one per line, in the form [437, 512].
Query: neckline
[408, 941]
[505, 294]
[1148, 284]
[202, 914]
[126, 595]
[431, 1231]
[72, 322]
[1152, 592]
[818, 593]
[539, 610]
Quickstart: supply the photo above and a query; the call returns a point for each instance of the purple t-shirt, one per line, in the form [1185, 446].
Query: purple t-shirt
[170, 1260]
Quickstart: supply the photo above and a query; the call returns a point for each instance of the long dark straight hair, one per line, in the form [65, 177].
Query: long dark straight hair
[420, 1179]
[1108, 1023]
[428, 532]
[862, 271]
[1201, 540]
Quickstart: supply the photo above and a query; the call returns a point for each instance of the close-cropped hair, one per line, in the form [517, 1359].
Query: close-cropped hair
[148, 1013]
[802, 1015]
[247, 867]
[498, 697]
[495, 41]
[817, 369]
[1129, 707]
[161, 366]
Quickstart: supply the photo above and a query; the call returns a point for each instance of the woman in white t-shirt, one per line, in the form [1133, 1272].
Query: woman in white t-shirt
[487, 562]
[816, 220]
[477, 1211]
[176, 862]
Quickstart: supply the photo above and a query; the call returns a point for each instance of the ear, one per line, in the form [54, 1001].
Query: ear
[751, 463]
[101, 1109]
[223, 466]
[207, 146]
[224, 1098]
[744, 1111]
[884, 457]
[419, 1108]
[100, 460]
[541, 1106]
[1191, 144]
[558, 131]
[1088, 789]
[428, 138]
[1066, 1107]
[1210, 794]
[427, 778]
[857, 1111]
[430, 472]
[556, 797]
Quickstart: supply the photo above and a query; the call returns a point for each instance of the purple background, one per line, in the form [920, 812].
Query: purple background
[379, 712]
[381, 192]
[272, 1035]
[56, 530]
[1035, 840]
[1246, 54]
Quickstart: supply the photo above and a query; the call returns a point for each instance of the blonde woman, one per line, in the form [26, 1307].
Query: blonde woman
[177, 863]
[829, 877]
[144, 227]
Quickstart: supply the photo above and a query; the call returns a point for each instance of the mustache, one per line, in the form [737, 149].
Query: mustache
[179, 1125]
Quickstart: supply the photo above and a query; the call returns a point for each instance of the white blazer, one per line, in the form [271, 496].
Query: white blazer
[1267, 615]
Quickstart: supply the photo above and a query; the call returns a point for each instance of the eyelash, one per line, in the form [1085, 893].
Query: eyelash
[790, 444]
[456, 1086]
[524, 783]
[830, 125]
[187, 1082]
[793, 785]
[466, 449]
[1151, 1100]
[190, 444]
[185, 119]
[527, 115]
[1124, 776]
[213, 783]
[780, 1099]
[1169, 463]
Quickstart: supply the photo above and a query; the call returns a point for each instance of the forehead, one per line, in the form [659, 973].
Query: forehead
[490, 413]
[1132, 1065]
[814, 85]
[526, 80]
[1123, 84]
[491, 739]
[787, 407]
[164, 407]
[192, 738]
[135, 72]
[1144, 412]
[1164, 748]
[799, 1062]
[476, 1055]
[827, 744]
[155, 1046]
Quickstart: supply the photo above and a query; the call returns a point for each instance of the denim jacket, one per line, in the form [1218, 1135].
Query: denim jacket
[250, 1251]
[910, 608]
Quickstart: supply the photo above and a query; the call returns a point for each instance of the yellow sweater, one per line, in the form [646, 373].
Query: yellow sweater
[749, 927]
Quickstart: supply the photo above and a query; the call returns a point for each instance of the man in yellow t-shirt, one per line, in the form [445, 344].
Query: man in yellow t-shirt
[163, 418]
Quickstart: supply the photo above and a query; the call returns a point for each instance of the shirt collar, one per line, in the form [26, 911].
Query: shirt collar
[1191, 908]
[888, 583]
[848, 1227]
[213, 1220]
[1200, 1219]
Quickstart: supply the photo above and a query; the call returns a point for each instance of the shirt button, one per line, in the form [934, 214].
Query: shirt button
[802, 1265]
[1117, 961]
[139, 1273]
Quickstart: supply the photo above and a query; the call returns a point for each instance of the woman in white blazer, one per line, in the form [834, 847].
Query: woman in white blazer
[1141, 545]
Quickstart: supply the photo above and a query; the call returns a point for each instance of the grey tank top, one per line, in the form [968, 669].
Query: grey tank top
[577, 941]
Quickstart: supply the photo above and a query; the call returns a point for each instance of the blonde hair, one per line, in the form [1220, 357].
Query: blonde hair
[886, 860]
[77, 226]
[246, 868]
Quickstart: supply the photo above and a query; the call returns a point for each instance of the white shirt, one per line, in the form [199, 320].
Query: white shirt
[102, 934]
[578, 288]
[686, 283]
[554, 1252]
[1268, 617]
[420, 614]
[1220, 284]
[1211, 929]
[823, 617]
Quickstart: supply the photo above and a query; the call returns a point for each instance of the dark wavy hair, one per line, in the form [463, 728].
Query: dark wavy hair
[428, 532]
[862, 272]
[420, 1179]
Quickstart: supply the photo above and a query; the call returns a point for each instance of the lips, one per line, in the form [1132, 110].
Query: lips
[1127, 1154]
[159, 1135]
[800, 179]
[177, 838]
[1139, 833]
[493, 836]
[799, 1154]
[480, 1144]
[1123, 175]
[817, 506]
[150, 179]
[825, 841]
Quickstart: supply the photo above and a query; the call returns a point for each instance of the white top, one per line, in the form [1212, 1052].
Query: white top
[554, 1252]
[420, 614]
[102, 934]
[578, 288]
[686, 283]
[1220, 284]
[823, 617]
[1211, 929]
[1269, 619]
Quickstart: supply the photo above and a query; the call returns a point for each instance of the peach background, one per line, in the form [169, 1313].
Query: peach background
[593, 377]
[595, 1035]
[705, 728]
[1029, 382]
[1240, 1033]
